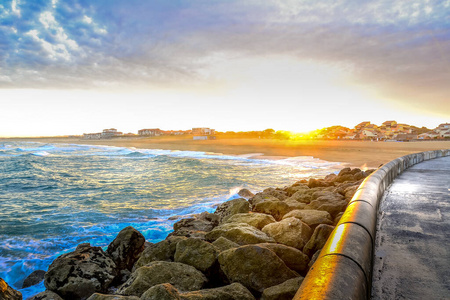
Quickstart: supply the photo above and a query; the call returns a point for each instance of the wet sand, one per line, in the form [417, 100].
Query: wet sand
[354, 153]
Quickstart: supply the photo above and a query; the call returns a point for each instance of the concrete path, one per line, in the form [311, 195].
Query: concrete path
[412, 247]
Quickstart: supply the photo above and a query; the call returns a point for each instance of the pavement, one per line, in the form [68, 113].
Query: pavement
[412, 246]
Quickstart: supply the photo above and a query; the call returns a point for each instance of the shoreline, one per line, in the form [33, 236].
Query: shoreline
[362, 154]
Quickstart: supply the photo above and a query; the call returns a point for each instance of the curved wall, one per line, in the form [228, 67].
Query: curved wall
[343, 269]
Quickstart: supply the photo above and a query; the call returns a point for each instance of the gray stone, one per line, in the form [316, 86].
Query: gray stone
[256, 267]
[262, 197]
[234, 291]
[257, 220]
[275, 208]
[34, 278]
[79, 274]
[224, 244]
[293, 258]
[197, 253]
[283, 291]
[318, 239]
[301, 196]
[181, 276]
[98, 296]
[290, 232]
[163, 291]
[330, 204]
[126, 248]
[232, 207]
[240, 233]
[312, 218]
[46, 295]
[245, 193]
[162, 251]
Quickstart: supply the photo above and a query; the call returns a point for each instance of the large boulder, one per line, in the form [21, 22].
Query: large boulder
[192, 227]
[310, 217]
[291, 190]
[240, 233]
[232, 207]
[197, 253]
[126, 248]
[245, 193]
[34, 278]
[278, 193]
[257, 220]
[224, 244]
[79, 274]
[234, 291]
[46, 295]
[330, 204]
[275, 208]
[162, 251]
[301, 196]
[262, 197]
[283, 291]
[8, 293]
[162, 291]
[181, 276]
[290, 232]
[318, 239]
[293, 205]
[293, 258]
[254, 266]
[98, 296]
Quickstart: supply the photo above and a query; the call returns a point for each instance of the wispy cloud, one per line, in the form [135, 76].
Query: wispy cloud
[399, 47]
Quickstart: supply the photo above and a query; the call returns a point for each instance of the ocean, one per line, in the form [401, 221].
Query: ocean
[56, 196]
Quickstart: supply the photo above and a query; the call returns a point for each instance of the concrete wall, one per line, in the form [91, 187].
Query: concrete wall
[343, 269]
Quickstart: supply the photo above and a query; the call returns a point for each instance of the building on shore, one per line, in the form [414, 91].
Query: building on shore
[203, 133]
[150, 132]
[105, 134]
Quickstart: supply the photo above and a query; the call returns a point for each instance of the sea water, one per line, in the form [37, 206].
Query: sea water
[56, 196]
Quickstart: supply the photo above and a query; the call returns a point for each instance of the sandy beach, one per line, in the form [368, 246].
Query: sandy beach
[353, 153]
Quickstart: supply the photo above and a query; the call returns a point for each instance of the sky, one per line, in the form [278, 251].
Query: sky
[78, 66]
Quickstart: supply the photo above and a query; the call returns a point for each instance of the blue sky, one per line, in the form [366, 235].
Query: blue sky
[232, 65]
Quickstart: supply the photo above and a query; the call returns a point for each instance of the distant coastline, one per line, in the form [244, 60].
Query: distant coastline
[354, 153]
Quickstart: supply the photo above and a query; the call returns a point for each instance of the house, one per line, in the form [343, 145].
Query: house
[203, 131]
[110, 133]
[361, 125]
[368, 135]
[150, 132]
[442, 127]
[92, 136]
[428, 135]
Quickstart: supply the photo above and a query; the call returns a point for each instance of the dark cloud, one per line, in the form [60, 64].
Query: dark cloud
[399, 47]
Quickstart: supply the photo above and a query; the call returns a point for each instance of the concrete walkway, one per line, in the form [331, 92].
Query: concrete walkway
[412, 247]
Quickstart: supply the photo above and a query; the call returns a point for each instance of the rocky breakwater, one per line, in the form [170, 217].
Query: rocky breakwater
[255, 247]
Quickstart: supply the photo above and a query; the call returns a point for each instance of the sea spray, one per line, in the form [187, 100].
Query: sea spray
[55, 196]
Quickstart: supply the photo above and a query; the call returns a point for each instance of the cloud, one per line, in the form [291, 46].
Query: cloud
[400, 48]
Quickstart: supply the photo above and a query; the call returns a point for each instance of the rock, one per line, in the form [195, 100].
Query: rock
[197, 253]
[343, 186]
[8, 293]
[312, 183]
[330, 204]
[244, 193]
[345, 178]
[290, 232]
[234, 291]
[224, 244]
[325, 193]
[350, 191]
[98, 296]
[330, 177]
[181, 276]
[46, 295]
[126, 248]
[283, 291]
[293, 205]
[34, 278]
[254, 219]
[163, 291]
[162, 251]
[275, 208]
[293, 258]
[318, 239]
[256, 267]
[295, 188]
[301, 196]
[277, 193]
[232, 207]
[79, 274]
[206, 216]
[312, 218]
[314, 258]
[338, 217]
[192, 227]
[261, 197]
[240, 233]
